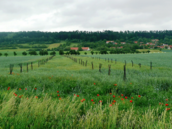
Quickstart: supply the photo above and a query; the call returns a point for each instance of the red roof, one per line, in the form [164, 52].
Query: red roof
[160, 46]
[85, 48]
[135, 41]
[74, 48]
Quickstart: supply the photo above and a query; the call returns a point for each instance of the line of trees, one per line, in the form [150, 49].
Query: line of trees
[5, 54]
[42, 52]
[37, 37]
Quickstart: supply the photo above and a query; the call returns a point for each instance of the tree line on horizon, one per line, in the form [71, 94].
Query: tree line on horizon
[32, 37]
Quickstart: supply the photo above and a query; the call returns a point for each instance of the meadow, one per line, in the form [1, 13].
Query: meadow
[63, 93]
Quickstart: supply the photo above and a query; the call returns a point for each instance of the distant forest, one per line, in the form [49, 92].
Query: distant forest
[7, 38]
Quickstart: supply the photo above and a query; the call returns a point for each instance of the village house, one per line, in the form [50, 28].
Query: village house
[85, 48]
[109, 42]
[165, 45]
[160, 46]
[135, 41]
[152, 44]
[155, 40]
[74, 48]
[123, 42]
[169, 46]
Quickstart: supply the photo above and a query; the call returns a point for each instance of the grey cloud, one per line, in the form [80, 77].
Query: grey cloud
[59, 15]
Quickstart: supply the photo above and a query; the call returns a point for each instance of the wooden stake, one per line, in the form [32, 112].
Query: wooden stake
[11, 68]
[151, 65]
[92, 65]
[132, 63]
[124, 72]
[27, 67]
[31, 66]
[86, 63]
[20, 67]
[100, 65]
[140, 65]
[109, 69]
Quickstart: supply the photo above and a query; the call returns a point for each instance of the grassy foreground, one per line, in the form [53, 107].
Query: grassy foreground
[66, 94]
[69, 112]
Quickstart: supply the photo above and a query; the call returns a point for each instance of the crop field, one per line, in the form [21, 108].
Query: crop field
[65, 93]
[54, 45]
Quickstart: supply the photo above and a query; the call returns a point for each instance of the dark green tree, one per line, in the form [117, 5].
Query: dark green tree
[92, 52]
[53, 53]
[24, 53]
[43, 52]
[61, 52]
[6, 54]
[15, 53]
[33, 53]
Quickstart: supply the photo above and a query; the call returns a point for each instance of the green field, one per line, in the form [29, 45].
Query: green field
[65, 94]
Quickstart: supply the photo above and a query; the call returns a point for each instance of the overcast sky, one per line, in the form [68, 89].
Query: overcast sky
[89, 15]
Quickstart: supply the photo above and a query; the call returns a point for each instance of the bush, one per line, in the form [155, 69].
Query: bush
[53, 53]
[24, 53]
[15, 53]
[33, 53]
[61, 52]
[6, 54]
[92, 52]
[43, 52]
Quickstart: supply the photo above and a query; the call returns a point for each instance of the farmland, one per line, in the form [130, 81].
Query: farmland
[63, 93]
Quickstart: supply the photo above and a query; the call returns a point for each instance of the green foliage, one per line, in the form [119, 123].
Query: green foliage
[6, 54]
[103, 52]
[92, 52]
[73, 52]
[79, 49]
[61, 52]
[15, 53]
[43, 52]
[0, 54]
[24, 53]
[33, 53]
[53, 53]
[148, 51]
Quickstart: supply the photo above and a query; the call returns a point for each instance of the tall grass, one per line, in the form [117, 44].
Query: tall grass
[69, 78]
[71, 113]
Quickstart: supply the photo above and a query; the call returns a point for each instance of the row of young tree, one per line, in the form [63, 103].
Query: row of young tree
[42, 52]
[112, 51]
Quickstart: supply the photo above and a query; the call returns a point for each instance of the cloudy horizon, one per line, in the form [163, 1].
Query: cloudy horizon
[90, 15]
